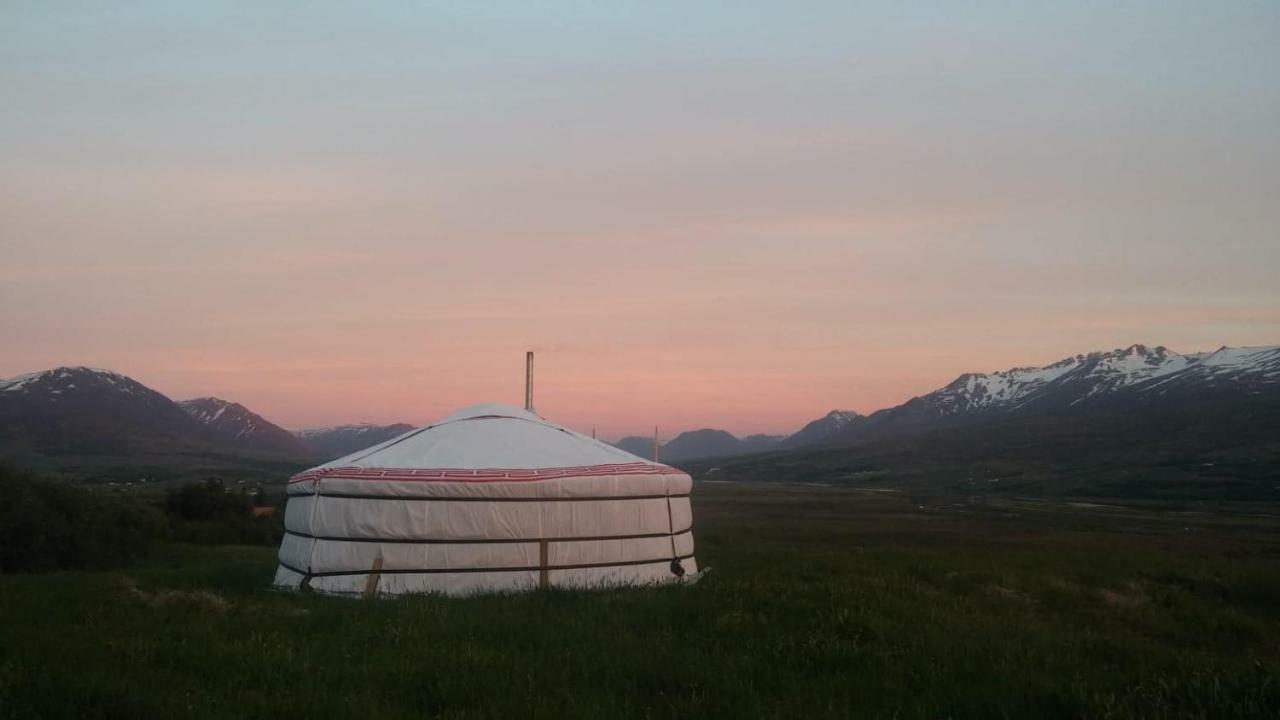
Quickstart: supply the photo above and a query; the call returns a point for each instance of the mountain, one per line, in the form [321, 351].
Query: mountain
[101, 426]
[637, 445]
[707, 443]
[1137, 378]
[700, 444]
[239, 427]
[697, 444]
[331, 443]
[1133, 423]
[759, 443]
[822, 430]
[1105, 376]
[85, 411]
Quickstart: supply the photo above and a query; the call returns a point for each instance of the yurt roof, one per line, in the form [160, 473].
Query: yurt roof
[488, 436]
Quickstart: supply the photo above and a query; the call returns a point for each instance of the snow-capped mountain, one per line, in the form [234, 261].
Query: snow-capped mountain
[822, 430]
[241, 427]
[90, 412]
[1248, 368]
[1134, 377]
[70, 411]
[80, 410]
[50, 383]
[1098, 376]
[334, 442]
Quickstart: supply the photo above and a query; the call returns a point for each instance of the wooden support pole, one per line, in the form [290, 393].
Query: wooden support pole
[371, 580]
[544, 576]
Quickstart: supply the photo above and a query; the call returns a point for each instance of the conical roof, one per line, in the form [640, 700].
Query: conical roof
[489, 437]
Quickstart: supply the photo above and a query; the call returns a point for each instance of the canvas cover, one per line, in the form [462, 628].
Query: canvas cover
[490, 498]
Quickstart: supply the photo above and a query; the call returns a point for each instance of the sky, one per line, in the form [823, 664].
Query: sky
[732, 215]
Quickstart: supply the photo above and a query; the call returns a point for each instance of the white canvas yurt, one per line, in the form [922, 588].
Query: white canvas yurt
[490, 498]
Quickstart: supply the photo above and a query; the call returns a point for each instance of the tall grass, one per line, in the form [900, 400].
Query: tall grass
[834, 607]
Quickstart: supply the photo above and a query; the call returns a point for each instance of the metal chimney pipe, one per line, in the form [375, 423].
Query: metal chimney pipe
[656, 446]
[528, 381]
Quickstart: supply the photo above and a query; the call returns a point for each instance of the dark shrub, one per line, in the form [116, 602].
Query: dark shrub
[208, 513]
[45, 525]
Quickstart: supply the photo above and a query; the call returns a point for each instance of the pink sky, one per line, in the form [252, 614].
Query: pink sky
[740, 229]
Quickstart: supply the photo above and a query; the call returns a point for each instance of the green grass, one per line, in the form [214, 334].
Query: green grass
[822, 603]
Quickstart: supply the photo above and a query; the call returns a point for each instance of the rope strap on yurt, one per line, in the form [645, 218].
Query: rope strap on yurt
[676, 568]
[467, 570]
[484, 541]
[305, 584]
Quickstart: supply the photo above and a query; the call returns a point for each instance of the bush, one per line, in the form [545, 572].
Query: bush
[209, 514]
[208, 500]
[46, 525]
[50, 525]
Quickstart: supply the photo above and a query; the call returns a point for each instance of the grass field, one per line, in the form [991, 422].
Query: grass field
[822, 603]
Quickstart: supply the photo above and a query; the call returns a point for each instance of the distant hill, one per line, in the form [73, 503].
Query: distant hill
[697, 444]
[708, 442]
[239, 427]
[637, 445]
[331, 443]
[700, 444]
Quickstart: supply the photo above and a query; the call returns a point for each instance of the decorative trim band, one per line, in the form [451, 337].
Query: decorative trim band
[481, 475]
[432, 498]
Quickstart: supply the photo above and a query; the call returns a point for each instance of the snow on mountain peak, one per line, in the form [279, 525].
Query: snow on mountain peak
[231, 417]
[235, 421]
[64, 377]
[842, 417]
[209, 410]
[1132, 365]
[355, 428]
[1098, 373]
[1007, 387]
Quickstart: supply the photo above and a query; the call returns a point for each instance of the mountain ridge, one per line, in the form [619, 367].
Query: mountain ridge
[333, 442]
[78, 410]
[82, 410]
[239, 426]
[1135, 375]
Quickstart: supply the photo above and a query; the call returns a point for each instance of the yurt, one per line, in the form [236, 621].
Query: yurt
[490, 498]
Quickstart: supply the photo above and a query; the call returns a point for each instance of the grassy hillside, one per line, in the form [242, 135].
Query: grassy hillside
[152, 473]
[822, 603]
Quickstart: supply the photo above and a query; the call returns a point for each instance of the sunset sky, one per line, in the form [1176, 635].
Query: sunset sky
[699, 215]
